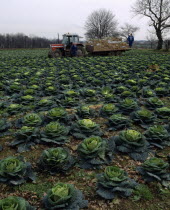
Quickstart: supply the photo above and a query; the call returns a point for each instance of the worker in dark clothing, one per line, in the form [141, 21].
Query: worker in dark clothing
[73, 50]
[130, 40]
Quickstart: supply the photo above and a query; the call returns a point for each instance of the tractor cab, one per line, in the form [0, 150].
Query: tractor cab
[70, 38]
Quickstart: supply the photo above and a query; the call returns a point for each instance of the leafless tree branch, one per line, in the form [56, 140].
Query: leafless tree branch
[101, 23]
[127, 28]
[158, 11]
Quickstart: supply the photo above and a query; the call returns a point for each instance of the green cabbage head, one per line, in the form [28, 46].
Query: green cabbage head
[155, 164]
[13, 170]
[155, 101]
[11, 165]
[54, 129]
[117, 117]
[109, 108]
[65, 197]
[28, 98]
[85, 108]
[131, 135]
[12, 107]
[87, 124]
[91, 144]
[57, 113]
[115, 174]
[55, 155]
[157, 133]
[163, 112]
[15, 203]
[128, 102]
[71, 93]
[32, 119]
[127, 105]
[144, 113]
[44, 102]
[60, 191]
[90, 92]
[56, 160]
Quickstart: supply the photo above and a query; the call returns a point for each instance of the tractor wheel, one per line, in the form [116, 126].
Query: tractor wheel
[57, 54]
[50, 54]
[80, 53]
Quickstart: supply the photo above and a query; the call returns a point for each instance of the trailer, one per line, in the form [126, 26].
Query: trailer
[113, 52]
[107, 46]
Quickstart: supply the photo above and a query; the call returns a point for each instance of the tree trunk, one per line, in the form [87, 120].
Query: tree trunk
[160, 40]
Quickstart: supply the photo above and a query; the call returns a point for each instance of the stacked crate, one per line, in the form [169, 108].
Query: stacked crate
[107, 44]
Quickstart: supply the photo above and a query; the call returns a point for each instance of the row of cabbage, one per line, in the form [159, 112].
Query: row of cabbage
[56, 126]
[69, 97]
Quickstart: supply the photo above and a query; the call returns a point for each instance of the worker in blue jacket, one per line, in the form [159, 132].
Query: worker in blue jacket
[130, 40]
[73, 50]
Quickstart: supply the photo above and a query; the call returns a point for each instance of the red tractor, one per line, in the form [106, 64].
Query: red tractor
[63, 49]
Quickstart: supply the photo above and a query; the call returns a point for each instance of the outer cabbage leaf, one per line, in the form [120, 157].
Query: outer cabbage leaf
[4, 126]
[64, 196]
[25, 138]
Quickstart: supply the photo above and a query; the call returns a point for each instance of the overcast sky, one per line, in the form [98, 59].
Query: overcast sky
[47, 18]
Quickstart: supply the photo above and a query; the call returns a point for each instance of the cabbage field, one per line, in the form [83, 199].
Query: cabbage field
[90, 132]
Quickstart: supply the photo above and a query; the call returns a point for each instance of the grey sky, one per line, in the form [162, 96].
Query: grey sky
[46, 18]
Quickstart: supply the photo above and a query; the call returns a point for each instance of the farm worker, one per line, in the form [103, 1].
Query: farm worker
[130, 40]
[73, 50]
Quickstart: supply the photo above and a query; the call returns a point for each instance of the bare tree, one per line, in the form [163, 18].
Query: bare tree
[127, 29]
[101, 23]
[158, 11]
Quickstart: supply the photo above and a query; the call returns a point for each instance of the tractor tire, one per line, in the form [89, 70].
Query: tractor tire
[57, 54]
[80, 53]
[50, 54]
